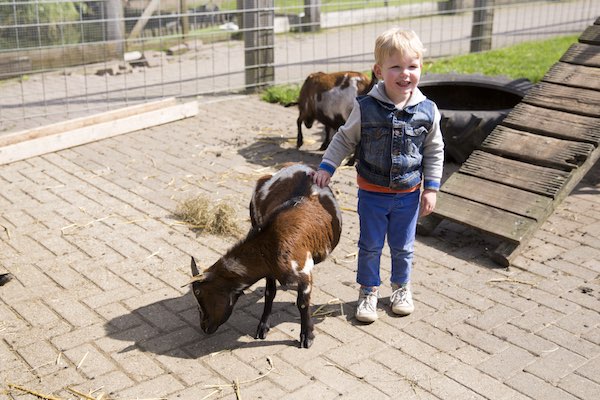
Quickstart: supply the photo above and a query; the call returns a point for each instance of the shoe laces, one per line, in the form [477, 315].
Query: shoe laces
[399, 295]
[368, 300]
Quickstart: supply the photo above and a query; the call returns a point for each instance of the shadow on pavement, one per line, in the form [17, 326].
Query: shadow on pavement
[273, 150]
[171, 327]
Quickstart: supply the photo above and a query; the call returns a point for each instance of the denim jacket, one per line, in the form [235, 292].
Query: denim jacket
[391, 142]
[399, 148]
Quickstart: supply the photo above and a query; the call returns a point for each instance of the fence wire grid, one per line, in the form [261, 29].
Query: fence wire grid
[65, 59]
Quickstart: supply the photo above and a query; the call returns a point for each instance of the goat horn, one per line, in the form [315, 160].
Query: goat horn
[195, 278]
[194, 267]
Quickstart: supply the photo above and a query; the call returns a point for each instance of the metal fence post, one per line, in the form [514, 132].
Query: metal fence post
[483, 24]
[259, 40]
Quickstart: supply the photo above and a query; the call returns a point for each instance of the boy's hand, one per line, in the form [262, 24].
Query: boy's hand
[321, 178]
[428, 200]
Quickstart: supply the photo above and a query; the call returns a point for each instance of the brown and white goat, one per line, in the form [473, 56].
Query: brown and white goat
[295, 225]
[329, 98]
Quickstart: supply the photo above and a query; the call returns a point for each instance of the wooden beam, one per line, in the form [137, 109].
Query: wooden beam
[532, 178]
[499, 223]
[564, 98]
[497, 195]
[54, 140]
[553, 123]
[537, 149]
[76, 123]
[141, 23]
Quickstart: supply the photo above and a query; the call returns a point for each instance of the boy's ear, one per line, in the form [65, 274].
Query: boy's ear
[377, 71]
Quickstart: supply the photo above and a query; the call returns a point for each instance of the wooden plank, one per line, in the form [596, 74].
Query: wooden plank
[499, 196]
[76, 123]
[143, 20]
[533, 178]
[573, 75]
[582, 54]
[558, 97]
[554, 123]
[591, 35]
[487, 219]
[537, 149]
[59, 141]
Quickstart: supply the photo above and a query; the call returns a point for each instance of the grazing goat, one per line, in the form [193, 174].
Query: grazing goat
[295, 225]
[329, 98]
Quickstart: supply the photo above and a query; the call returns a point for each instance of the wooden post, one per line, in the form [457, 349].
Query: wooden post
[483, 24]
[259, 40]
[312, 16]
[185, 19]
[115, 26]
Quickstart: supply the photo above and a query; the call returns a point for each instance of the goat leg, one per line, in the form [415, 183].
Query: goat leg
[327, 139]
[263, 326]
[306, 324]
[299, 138]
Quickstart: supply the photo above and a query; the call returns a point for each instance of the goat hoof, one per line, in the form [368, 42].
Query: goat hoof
[324, 146]
[306, 342]
[299, 143]
[261, 331]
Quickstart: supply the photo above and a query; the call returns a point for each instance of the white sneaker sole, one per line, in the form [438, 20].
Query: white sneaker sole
[366, 318]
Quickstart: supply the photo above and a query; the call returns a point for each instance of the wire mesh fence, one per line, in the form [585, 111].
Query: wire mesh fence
[65, 59]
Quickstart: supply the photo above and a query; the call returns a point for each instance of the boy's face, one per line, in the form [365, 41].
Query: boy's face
[401, 75]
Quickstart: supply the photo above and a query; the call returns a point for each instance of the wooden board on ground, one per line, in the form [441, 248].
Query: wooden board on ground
[49, 139]
[513, 200]
[499, 223]
[531, 161]
[533, 178]
[537, 149]
[582, 54]
[76, 123]
[552, 123]
[574, 100]
[574, 75]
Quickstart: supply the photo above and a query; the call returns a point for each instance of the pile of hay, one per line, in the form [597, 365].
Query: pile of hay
[200, 213]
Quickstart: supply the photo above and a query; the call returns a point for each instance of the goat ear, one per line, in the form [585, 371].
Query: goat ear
[195, 271]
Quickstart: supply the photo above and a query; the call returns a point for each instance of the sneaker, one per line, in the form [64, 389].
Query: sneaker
[401, 299]
[366, 311]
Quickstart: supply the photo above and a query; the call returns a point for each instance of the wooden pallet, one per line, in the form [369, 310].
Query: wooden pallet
[534, 158]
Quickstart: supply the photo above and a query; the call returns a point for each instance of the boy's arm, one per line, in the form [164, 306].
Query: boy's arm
[343, 143]
[433, 156]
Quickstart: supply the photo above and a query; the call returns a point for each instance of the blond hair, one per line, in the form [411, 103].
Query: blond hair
[406, 42]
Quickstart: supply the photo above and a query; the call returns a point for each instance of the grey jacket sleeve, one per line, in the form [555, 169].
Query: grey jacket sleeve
[344, 141]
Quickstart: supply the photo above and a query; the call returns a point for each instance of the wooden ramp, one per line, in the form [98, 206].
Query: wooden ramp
[534, 158]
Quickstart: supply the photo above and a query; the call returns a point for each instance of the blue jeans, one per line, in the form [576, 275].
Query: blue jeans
[394, 215]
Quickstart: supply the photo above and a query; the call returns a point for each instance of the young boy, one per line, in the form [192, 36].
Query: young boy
[399, 167]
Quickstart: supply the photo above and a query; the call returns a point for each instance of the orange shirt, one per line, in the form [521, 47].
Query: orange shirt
[366, 185]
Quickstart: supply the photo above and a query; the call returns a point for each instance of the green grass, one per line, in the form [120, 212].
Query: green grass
[529, 60]
[283, 94]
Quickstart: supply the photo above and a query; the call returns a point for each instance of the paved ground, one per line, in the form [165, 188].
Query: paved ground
[97, 304]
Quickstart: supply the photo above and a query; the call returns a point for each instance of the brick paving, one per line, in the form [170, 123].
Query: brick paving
[96, 302]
